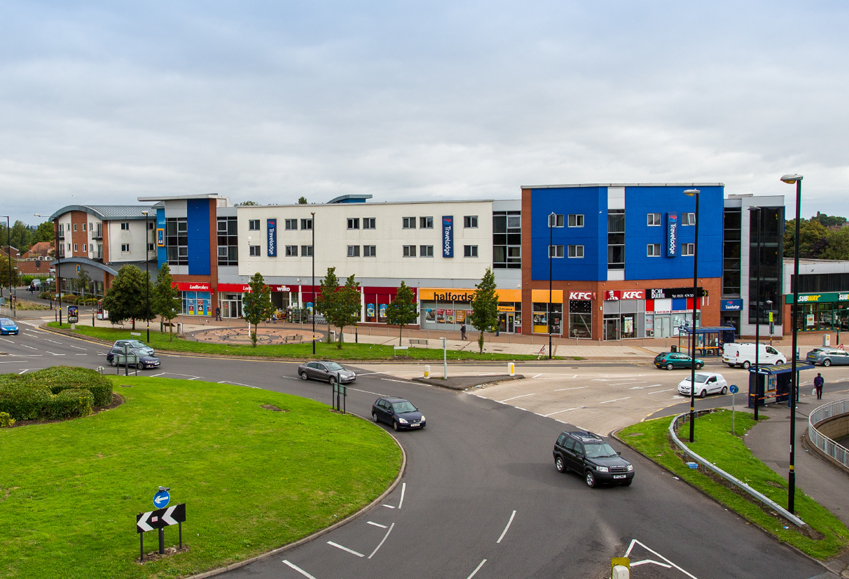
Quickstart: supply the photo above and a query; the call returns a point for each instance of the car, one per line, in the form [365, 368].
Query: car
[326, 371]
[400, 413]
[136, 345]
[591, 457]
[142, 359]
[828, 356]
[671, 360]
[706, 383]
[7, 326]
[744, 355]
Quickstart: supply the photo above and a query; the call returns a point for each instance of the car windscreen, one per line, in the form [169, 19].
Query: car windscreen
[333, 366]
[402, 407]
[600, 450]
[702, 378]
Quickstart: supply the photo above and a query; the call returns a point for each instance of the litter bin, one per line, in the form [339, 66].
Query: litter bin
[673, 348]
[179, 328]
[826, 340]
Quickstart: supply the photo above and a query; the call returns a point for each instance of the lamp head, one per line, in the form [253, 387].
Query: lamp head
[691, 192]
[790, 179]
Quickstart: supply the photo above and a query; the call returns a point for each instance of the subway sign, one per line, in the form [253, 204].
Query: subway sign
[826, 297]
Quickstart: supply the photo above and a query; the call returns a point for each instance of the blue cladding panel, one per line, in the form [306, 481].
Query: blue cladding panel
[161, 255]
[197, 213]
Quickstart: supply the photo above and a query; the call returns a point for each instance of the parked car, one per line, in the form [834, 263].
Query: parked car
[400, 413]
[7, 326]
[828, 356]
[142, 359]
[136, 345]
[743, 355]
[591, 457]
[706, 383]
[671, 360]
[326, 371]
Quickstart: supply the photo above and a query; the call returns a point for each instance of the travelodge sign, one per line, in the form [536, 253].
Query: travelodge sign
[731, 305]
[671, 234]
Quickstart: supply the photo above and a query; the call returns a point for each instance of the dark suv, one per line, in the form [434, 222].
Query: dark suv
[588, 455]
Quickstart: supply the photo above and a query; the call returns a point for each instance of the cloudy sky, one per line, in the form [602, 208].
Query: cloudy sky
[103, 102]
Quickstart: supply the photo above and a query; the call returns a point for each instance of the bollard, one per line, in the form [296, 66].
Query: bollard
[511, 368]
[427, 372]
[620, 572]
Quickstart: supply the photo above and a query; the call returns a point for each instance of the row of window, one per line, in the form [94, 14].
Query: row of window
[288, 224]
[652, 220]
[469, 222]
[367, 251]
[652, 250]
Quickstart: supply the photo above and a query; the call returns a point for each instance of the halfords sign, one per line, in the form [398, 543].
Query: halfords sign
[615, 295]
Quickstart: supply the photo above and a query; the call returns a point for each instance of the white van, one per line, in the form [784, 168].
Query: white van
[743, 355]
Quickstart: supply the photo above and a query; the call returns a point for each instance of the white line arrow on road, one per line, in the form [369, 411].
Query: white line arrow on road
[142, 522]
[167, 516]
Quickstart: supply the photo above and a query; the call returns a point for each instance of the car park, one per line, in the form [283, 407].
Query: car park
[135, 357]
[8, 326]
[326, 371]
[591, 457]
[706, 383]
[828, 356]
[136, 345]
[672, 360]
[400, 413]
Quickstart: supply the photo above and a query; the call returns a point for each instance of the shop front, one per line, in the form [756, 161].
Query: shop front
[822, 312]
[195, 298]
[376, 299]
[668, 310]
[450, 308]
[230, 298]
[624, 314]
[730, 311]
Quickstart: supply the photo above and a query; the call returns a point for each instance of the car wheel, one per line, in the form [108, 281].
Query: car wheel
[590, 479]
[703, 393]
[332, 380]
[139, 366]
[114, 362]
[374, 417]
[304, 376]
[395, 425]
[559, 464]
[730, 365]
[745, 365]
[627, 483]
[724, 390]
[698, 366]
[826, 362]
[669, 366]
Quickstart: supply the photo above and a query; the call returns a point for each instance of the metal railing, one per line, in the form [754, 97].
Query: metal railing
[822, 442]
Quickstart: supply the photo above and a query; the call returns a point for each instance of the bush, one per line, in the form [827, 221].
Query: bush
[46, 295]
[6, 420]
[22, 398]
[69, 404]
[69, 299]
[60, 378]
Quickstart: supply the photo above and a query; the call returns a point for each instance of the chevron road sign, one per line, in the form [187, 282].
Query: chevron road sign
[160, 518]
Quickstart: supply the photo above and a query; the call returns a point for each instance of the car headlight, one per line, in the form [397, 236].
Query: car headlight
[630, 468]
[402, 420]
[423, 418]
[601, 468]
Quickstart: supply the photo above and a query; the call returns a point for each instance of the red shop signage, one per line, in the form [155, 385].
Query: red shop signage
[245, 288]
[581, 296]
[193, 286]
[615, 295]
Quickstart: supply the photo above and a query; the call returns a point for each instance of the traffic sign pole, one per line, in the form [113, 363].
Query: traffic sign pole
[734, 390]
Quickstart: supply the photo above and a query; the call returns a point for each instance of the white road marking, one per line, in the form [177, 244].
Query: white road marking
[379, 545]
[560, 411]
[54, 353]
[403, 490]
[515, 397]
[377, 525]
[634, 541]
[478, 568]
[237, 384]
[52, 341]
[400, 381]
[510, 522]
[647, 561]
[7, 340]
[298, 569]
[389, 506]
[30, 347]
[642, 387]
[346, 549]
[659, 391]
[23, 371]
[575, 388]
[80, 354]
[367, 392]
[536, 375]
[615, 400]
[77, 347]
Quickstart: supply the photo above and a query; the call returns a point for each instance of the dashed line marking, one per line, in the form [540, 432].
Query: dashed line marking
[515, 397]
[346, 549]
[379, 545]
[478, 568]
[510, 522]
[298, 569]
[659, 391]
[575, 388]
[615, 400]
[377, 524]
[560, 412]
[403, 490]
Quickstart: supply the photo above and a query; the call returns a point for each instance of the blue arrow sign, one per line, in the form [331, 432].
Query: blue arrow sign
[734, 389]
[161, 499]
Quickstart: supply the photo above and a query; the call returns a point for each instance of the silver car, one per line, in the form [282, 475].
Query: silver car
[326, 371]
[828, 356]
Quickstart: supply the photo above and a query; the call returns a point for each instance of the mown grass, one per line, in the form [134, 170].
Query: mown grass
[715, 443]
[252, 479]
[323, 350]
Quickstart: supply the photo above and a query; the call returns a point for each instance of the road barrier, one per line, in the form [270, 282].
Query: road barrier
[829, 447]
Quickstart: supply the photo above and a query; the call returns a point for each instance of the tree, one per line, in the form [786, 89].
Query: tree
[485, 307]
[247, 204]
[21, 237]
[166, 298]
[126, 299]
[813, 238]
[838, 244]
[256, 305]
[830, 220]
[339, 305]
[83, 282]
[4, 272]
[302, 201]
[44, 232]
[402, 310]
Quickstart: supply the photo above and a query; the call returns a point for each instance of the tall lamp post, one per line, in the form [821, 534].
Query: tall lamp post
[56, 264]
[312, 224]
[147, 271]
[757, 314]
[794, 389]
[9, 256]
[552, 221]
[694, 193]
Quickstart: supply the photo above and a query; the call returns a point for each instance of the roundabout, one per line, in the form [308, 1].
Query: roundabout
[264, 336]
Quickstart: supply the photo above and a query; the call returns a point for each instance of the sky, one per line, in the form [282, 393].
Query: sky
[104, 102]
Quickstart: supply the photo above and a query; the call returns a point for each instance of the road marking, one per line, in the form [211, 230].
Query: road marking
[7, 340]
[379, 545]
[54, 353]
[346, 549]
[642, 387]
[615, 400]
[298, 569]
[377, 525]
[659, 391]
[634, 541]
[560, 411]
[30, 347]
[403, 490]
[514, 397]
[575, 388]
[647, 561]
[237, 384]
[478, 568]
[536, 375]
[510, 522]
[22, 372]
[366, 391]
[80, 354]
[77, 347]
[389, 506]
[400, 381]
[52, 341]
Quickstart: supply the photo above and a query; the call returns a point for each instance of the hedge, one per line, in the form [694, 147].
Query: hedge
[57, 392]
[59, 378]
[23, 399]
[69, 404]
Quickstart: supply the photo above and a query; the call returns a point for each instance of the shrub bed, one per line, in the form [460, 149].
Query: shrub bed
[69, 404]
[59, 378]
[57, 392]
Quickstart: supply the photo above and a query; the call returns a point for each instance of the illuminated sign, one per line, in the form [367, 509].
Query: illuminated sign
[581, 296]
[160, 237]
[272, 238]
[671, 234]
[447, 236]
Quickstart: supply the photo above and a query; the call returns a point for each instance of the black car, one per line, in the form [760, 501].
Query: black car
[326, 371]
[142, 359]
[400, 413]
[588, 455]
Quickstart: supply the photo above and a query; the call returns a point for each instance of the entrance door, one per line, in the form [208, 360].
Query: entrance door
[611, 328]
[662, 324]
[506, 321]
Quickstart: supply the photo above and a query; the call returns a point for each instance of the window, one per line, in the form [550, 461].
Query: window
[150, 225]
[253, 224]
[507, 239]
[83, 226]
[470, 221]
[291, 251]
[653, 250]
[75, 247]
[369, 251]
[409, 223]
[353, 223]
[653, 220]
[150, 247]
[425, 222]
[306, 251]
[85, 247]
[688, 219]
[125, 247]
[125, 226]
[176, 241]
[228, 240]
[90, 226]
[409, 251]
[576, 221]
[470, 251]
[254, 250]
[353, 251]
[288, 224]
[688, 249]
[306, 223]
[75, 226]
[368, 223]
[555, 251]
[576, 251]
[426, 251]
[616, 239]
[555, 220]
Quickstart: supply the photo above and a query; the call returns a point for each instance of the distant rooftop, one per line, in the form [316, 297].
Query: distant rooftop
[106, 212]
[351, 198]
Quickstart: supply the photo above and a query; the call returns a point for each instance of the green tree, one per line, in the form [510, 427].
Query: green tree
[340, 305]
[813, 238]
[402, 310]
[302, 201]
[4, 271]
[166, 298]
[485, 307]
[838, 244]
[126, 298]
[830, 220]
[83, 282]
[256, 305]
[44, 232]
[20, 239]
[247, 204]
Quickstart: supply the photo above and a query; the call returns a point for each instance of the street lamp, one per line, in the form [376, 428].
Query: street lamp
[9, 256]
[312, 227]
[694, 193]
[794, 389]
[757, 312]
[769, 313]
[552, 221]
[147, 271]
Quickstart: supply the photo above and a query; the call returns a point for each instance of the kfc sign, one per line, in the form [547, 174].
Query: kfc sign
[582, 296]
[616, 295]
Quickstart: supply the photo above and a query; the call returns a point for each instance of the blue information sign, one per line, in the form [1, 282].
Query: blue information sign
[734, 389]
[161, 499]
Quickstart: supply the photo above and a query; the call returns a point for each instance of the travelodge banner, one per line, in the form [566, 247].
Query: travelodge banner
[447, 236]
[671, 234]
[272, 238]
